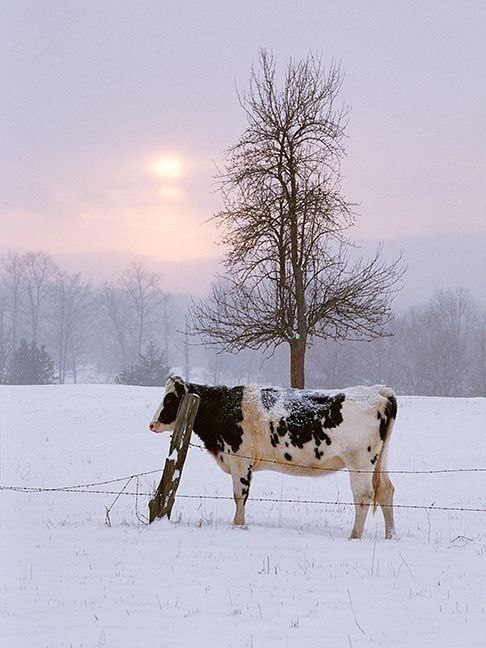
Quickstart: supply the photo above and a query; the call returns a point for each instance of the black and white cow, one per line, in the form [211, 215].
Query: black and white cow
[294, 431]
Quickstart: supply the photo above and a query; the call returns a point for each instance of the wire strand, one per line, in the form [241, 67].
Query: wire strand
[137, 493]
[348, 470]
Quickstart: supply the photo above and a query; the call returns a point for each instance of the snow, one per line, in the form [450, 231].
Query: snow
[291, 578]
[174, 455]
[364, 396]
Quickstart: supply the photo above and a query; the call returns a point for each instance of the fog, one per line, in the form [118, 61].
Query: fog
[115, 117]
[93, 332]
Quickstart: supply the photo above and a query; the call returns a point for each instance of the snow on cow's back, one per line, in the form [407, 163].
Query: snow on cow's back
[368, 397]
[280, 399]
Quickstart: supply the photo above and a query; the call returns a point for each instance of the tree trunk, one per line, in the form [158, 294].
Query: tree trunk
[297, 363]
[187, 370]
[75, 370]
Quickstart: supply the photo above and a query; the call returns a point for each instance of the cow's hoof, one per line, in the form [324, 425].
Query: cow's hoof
[240, 526]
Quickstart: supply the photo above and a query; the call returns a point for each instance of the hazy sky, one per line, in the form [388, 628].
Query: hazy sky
[112, 114]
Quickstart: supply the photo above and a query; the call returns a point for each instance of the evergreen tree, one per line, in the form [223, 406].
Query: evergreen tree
[30, 365]
[151, 371]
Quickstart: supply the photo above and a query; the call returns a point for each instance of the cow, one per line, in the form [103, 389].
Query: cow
[294, 431]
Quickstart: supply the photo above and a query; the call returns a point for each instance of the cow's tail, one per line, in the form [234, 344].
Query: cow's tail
[381, 482]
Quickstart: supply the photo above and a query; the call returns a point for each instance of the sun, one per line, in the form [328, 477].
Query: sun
[168, 166]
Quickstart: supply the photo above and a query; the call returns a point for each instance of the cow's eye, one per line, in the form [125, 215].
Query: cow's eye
[170, 398]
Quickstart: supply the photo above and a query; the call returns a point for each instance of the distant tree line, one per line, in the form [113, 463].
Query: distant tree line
[56, 327]
[437, 349]
[44, 309]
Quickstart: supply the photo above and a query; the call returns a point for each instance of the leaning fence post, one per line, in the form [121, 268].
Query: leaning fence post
[163, 500]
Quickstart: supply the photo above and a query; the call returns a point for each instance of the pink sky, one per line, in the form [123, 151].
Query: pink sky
[95, 95]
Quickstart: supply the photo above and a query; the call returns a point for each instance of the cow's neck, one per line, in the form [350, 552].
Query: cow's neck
[210, 405]
[206, 393]
[218, 416]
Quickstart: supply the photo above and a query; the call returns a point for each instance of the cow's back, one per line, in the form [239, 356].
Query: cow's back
[307, 431]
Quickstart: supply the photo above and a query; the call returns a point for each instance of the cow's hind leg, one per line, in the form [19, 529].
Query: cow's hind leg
[241, 475]
[361, 485]
[384, 490]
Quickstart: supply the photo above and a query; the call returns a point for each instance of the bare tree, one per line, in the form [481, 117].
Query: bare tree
[113, 307]
[187, 364]
[25, 280]
[14, 275]
[12, 279]
[478, 365]
[69, 302]
[39, 270]
[333, 364]
[438, 337]
[289, 274]
[5, 334]
[146, 304]
[136, 309]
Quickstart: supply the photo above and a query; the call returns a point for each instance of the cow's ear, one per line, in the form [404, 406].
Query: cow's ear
[168, 382]
[180, 386]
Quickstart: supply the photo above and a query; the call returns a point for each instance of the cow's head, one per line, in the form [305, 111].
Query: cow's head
[165, 415]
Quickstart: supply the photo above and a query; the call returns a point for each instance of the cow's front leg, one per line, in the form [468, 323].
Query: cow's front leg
[241, 475]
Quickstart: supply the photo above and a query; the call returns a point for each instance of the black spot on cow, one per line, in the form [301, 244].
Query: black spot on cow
[219, 417]
[219, 444]
[373, 461]
[332, 415]
[309, 414]
[288, 456]
[369, 448]
[320, 435]
[282, 427]
[269, 397]
[274, 438]
[305, 427]
[246, 483]
[318, 453]
[378, 415]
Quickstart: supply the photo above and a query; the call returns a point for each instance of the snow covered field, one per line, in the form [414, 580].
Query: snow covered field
[291, 579]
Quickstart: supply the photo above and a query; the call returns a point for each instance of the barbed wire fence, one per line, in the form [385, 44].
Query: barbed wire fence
[94, 488]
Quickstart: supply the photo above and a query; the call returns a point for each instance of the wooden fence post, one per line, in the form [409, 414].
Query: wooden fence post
[163, 500]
